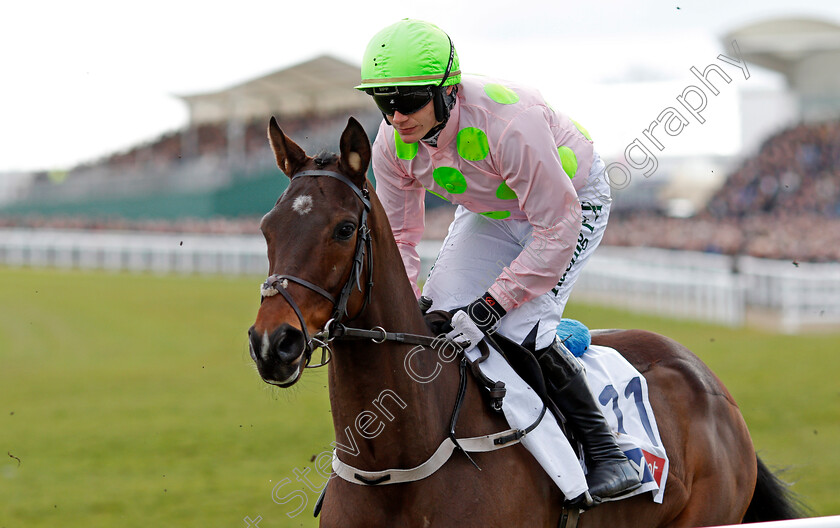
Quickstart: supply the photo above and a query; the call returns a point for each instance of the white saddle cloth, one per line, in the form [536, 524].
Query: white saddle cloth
[623, 394]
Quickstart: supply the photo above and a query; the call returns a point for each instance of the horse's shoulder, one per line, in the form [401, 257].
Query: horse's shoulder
[659, 356]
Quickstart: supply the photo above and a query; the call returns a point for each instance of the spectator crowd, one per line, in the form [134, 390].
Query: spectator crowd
[783, 203]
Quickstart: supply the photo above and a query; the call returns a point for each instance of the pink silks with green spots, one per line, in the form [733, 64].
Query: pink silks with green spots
[507, 155]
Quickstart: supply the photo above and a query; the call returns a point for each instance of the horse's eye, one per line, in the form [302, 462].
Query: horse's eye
[345, 230]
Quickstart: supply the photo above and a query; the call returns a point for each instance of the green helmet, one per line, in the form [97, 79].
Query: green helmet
[410, 53]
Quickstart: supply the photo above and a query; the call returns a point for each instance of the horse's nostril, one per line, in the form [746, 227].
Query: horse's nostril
[287, 342]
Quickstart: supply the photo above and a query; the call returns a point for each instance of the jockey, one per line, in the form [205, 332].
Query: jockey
[533, 202]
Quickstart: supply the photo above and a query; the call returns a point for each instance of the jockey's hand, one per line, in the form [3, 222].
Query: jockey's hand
[485, 312]
[464, 332]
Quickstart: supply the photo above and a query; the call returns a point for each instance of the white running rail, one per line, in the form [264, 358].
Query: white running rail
[690, 285]
[132, 251]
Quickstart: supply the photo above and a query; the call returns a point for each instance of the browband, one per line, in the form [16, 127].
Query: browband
[340, 177]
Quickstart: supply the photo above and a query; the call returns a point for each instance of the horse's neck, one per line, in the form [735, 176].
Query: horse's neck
[386, 417]
[379, 392]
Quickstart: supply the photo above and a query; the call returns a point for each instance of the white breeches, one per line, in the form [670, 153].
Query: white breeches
[477, 248]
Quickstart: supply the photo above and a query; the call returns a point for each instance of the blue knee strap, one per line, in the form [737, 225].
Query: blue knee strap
[575, 335]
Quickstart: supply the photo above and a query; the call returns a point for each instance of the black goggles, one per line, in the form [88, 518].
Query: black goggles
[405, 100]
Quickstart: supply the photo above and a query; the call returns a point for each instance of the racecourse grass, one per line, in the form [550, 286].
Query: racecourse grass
[131, 400]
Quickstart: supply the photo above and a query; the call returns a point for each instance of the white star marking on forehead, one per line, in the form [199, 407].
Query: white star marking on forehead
[302, 204]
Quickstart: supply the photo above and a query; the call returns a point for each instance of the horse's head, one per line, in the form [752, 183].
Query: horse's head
[318, 248]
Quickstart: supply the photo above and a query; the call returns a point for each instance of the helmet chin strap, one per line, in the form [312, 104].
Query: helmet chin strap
[448, 103]
[443, 102]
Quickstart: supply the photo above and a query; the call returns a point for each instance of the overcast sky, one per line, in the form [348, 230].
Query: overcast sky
[83, 79]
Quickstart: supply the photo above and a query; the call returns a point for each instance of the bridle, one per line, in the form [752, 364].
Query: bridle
[363, 255]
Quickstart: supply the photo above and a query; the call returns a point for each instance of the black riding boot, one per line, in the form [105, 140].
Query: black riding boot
[609, 472]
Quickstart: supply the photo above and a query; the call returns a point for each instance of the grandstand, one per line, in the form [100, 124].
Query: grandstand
[806, 52]
[781, 200]
[219, 164]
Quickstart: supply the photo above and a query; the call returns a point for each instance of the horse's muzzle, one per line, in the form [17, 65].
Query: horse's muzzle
[279, 355]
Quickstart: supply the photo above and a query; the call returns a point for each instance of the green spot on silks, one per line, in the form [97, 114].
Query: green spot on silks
[498, 215]
[472, 144]
[500, 94]
[582, 130]
[503, 192]
[568, 160]
[405, 151]
[450, 179]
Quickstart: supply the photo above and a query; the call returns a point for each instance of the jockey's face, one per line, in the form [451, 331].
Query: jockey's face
[413, 127]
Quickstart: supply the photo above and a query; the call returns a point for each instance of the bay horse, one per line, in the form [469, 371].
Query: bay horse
[333, 260]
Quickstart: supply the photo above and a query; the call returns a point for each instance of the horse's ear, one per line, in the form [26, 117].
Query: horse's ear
[290, 157]
[355, 152]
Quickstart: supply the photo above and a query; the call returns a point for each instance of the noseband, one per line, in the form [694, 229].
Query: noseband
[277, 283]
